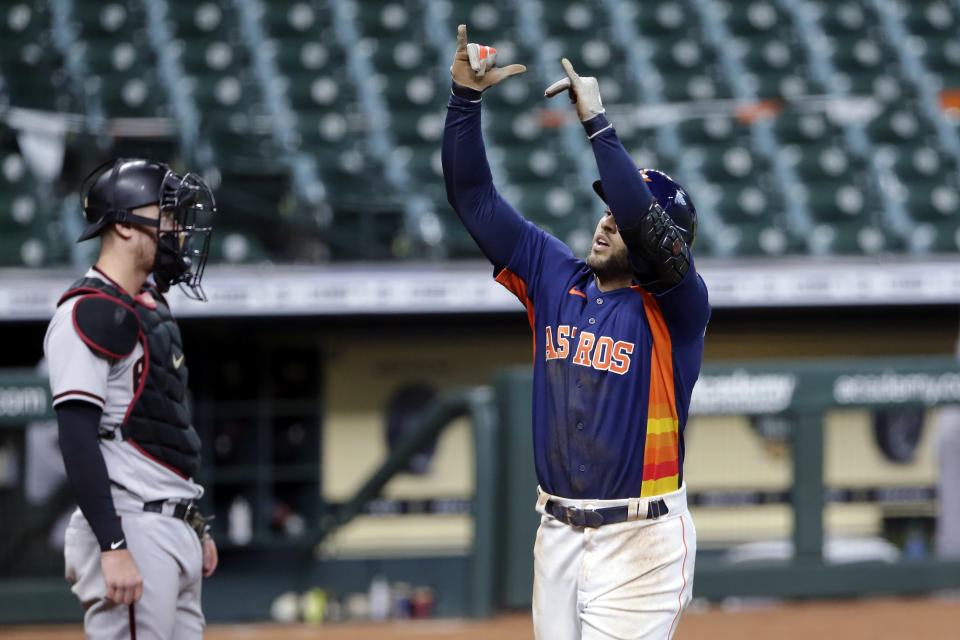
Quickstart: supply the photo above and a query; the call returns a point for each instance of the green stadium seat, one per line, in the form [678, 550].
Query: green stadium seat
[754, 18]
[862, 55]
[778, 68]
[666, 20]
[932, 199]
[845, 18]
[488, 22]
[296, 19]
[839, 199]
[730, 164]
[203, 19]
[418, 126]
[747, 201]
[105, 20]
[527, 163]
[566, 18]
[901, 124]
[133, 96]
[930, 18]
[824, 162]
[30, 65]
[523, 92]
[755, 238]
[325, 91]
[26, 238]
[237, 247]
[853, 238]
[941, 56]
[923, 162]
[318, 128]
[720, 130]
[937, 237]
[801, 128]
[294, 55]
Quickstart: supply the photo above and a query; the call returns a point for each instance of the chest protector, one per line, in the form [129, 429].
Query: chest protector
[158, 422]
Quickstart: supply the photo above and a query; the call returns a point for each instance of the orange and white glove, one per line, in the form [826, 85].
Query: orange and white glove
[474, 65]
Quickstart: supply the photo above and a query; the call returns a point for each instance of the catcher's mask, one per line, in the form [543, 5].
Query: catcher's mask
[114, 189]
[672, 198]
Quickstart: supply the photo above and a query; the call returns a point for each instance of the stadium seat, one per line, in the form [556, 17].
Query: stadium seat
[490, 22]
[121, 63]
[932, 199]
[298, 20]
[930, 18]
[319, 85]
[919, 162]
[852, 238]
[941, 56]
[235, 247]
[937, 237]
[729, 164]
[714, 131]
[900, 124]
[815, 163]
[30, 65]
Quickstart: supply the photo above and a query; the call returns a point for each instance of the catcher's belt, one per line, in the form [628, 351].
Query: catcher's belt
[185, 510]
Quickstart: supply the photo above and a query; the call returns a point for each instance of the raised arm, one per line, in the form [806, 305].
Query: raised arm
[658, 253]
[493, 223]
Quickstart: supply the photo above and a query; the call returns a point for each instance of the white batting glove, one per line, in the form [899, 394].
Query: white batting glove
[584, 92]
[474, 65]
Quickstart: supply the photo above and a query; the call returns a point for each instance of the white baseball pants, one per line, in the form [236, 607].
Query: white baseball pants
[629, 580]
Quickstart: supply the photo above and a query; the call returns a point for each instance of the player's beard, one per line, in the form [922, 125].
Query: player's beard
[613, 266]
[146, 254]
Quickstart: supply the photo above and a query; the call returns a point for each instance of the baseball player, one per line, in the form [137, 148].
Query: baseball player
[136, 548]
[618, 342]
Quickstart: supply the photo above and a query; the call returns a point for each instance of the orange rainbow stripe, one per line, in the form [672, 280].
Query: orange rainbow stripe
[661, 455]
[515, 285]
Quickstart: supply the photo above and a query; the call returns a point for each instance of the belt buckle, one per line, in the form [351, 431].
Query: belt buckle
[191, 508]
[583, 517]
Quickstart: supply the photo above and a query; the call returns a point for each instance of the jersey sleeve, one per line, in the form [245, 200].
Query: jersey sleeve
[686, 307]
[537, 257]
[492, 222]
[76, 372]
[625, 190]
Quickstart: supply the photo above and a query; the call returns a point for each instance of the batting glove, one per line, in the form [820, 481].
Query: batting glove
[474, 65]
[584, 92]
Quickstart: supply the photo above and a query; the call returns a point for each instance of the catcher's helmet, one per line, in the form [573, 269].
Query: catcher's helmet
[672, 198]
[114, 189]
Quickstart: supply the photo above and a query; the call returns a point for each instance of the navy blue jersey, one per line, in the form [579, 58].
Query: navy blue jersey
[614, 370]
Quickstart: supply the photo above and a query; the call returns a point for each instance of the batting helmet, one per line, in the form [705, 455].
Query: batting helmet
[114, 189]
[672, 198]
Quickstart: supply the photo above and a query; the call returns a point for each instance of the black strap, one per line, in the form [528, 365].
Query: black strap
[598, 517]
[180, 512]
[586, 517]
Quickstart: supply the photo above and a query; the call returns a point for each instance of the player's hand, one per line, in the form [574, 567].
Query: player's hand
[584, 92]
[210, 556]
[121, 576]
[474, 65]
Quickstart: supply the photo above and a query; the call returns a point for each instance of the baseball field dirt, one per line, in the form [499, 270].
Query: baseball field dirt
[933, 618]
